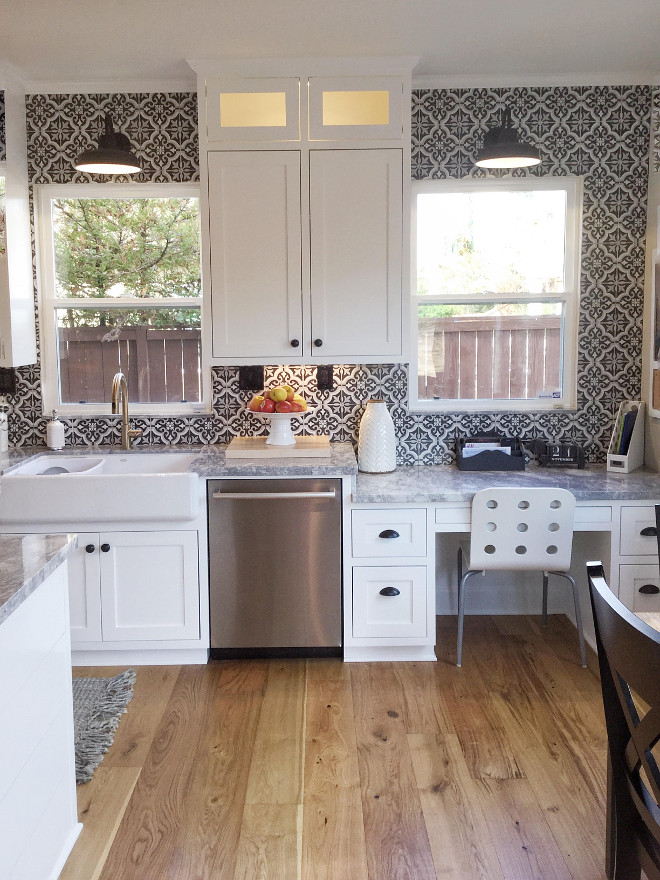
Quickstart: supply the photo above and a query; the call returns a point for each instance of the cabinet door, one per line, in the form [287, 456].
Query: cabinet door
[356, 228]
[149, 585]
[85, 589]
[255, 246]
[253, 109]
[355, 108]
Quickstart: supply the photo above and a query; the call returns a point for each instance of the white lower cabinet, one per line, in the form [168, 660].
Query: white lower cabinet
[389, 602]
[389, 598]
[134, 586]
[639, 583]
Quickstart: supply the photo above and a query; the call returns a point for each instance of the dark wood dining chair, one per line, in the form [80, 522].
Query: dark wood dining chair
[629, 660]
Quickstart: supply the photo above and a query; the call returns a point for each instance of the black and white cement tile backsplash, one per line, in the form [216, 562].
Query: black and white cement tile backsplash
[602, 133]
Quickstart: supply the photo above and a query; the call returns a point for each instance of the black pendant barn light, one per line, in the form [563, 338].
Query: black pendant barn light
[112, 156]
[502, 147]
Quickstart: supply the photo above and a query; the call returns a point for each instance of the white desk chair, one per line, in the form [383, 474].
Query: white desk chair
[521, 530]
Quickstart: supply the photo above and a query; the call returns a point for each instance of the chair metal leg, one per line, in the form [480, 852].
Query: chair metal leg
[544, 612]
[461, 615]
[578, 615]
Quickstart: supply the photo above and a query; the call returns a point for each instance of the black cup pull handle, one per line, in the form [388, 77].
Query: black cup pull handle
[649, 589]
[389, 533]
[390, 591]
[649, 532]
[90, 548]
[105, 548]
[295, 343]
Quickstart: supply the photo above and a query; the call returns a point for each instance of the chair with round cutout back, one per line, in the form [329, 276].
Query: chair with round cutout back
[519, 529]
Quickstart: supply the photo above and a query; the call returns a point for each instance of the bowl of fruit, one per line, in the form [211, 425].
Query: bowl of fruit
[278, 405]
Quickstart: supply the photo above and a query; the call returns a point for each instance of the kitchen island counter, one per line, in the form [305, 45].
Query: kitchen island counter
[25, 563]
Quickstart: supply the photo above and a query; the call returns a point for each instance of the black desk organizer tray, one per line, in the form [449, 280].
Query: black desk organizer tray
[491, 459]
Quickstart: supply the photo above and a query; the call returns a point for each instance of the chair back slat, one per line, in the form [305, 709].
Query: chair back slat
[629, 660]
[522, 529]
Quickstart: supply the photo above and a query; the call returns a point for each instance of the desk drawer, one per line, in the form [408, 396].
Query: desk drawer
[388, 533]
[632, 578]
[454, 518]
[586, 514]
[389, 602]
[634, 521]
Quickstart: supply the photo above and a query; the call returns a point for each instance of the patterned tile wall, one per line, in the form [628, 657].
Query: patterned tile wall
[601, 133]
[655, 125]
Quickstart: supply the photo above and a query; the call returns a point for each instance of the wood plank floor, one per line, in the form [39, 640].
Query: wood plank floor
[319, 770]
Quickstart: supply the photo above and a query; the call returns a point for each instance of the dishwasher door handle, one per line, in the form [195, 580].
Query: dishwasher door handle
[260, 496]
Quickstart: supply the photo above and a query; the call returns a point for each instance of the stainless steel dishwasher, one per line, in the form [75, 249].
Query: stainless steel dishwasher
[275, 567]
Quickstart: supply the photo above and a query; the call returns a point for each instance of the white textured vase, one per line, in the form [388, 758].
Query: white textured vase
[377, 440]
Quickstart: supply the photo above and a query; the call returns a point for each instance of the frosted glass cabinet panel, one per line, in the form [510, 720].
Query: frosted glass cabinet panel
[355, 108]
[254, 227]
[253, 109]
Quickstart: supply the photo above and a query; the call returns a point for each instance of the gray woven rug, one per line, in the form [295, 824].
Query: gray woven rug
[98, 704]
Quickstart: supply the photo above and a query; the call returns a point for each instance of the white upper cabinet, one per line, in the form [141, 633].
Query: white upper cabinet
[355, 230]
[255, 250]
[306, 170]
[17, 326]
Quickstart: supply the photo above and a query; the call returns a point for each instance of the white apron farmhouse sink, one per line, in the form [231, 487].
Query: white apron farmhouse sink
[104, 487]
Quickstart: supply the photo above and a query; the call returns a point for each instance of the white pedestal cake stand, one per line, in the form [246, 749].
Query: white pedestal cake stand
[280, 432]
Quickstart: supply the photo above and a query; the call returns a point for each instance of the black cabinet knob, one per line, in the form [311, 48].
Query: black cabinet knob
[90, 548]
[389, 533]
[649, 589]
[318, 343]
[390, 591]
[105, 548]
[649, 532]
[295, 343]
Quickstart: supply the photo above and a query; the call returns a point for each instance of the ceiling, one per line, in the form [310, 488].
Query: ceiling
[146, 42]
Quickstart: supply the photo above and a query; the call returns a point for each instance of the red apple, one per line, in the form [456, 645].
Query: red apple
[267, 406]
[295, 406]
[255, 404]
[283, 406]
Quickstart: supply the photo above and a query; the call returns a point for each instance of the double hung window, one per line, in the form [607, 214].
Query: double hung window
[495, 293]
[121, 290]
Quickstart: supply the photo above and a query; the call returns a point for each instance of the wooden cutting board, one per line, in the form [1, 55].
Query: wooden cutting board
[256, 447]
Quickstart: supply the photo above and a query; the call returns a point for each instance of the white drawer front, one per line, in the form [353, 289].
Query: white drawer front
[402, 614]
[454, 519]
[633, 521]
[585, 514]
[634, 577]
[388, 533]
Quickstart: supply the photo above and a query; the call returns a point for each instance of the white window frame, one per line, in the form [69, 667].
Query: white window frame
[48, 302]
[570, 297]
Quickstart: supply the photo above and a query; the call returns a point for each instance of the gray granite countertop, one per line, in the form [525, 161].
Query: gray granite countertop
[440, 483]
[211, 461]
[25, 563]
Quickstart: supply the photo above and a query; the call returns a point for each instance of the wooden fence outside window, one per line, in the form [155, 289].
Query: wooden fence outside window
[161, 366]
[489, 357]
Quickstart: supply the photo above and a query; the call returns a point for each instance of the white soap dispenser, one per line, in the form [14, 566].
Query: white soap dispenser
[55, 433]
